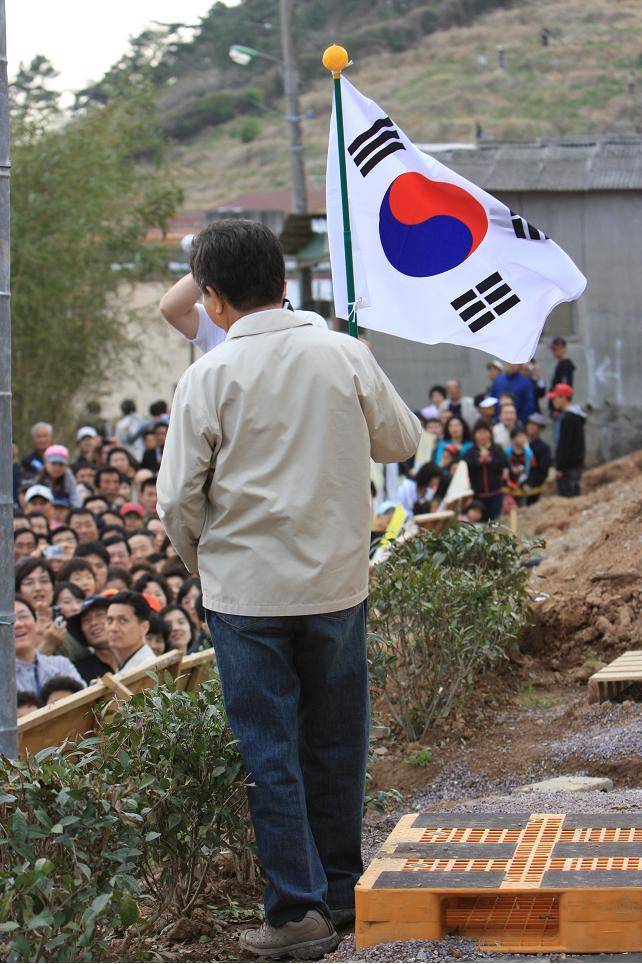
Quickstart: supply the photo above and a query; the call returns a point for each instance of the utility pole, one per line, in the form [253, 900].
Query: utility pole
[8, 725]
[293, 116]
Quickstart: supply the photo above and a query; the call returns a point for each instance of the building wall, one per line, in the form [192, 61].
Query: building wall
[602, 232]
[162, 357]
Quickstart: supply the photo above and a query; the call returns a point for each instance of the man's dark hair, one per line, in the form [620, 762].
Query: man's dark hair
[147, 483]
[242, 261]
[428, 471]
[27, 698]
[21, 531]
[116, 539]
[112, 530]
[63, 529]
[117, 572]
[71, 587]
[108, 470]
[140, 532]
[438, 388]
[59, 683]
[92, 548]
[25, 566]
[74, 565]
[92, 497]
[141, 583]
[160, 627]
[119, 448]
[138, 603]
[127, 406]
[481, 424]
[38, 515]
[25, 602]
[174, 567]
[80, 511]
[158, 408]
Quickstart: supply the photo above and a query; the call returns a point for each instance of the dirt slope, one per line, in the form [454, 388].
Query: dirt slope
[591, 574]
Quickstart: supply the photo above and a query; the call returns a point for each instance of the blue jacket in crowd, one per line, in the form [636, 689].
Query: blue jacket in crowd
[521, 388]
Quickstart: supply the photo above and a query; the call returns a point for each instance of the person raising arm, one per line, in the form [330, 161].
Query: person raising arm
[182, 309]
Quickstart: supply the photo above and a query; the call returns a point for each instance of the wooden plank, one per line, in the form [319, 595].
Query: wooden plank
[75, 716]
[608, 682]
[195, 669]
[116, 687]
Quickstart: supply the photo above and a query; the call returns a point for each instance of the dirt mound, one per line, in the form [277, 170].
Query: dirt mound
[589, 585]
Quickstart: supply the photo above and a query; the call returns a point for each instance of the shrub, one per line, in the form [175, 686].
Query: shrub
[443, 609]
[140, 810]
[67, 858]
[249, 129]
[180, 776]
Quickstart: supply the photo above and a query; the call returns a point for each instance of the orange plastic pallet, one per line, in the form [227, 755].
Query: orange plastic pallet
[516, 882]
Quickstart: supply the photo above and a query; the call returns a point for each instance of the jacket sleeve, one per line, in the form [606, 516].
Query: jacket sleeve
[193, 439]
[394, 430]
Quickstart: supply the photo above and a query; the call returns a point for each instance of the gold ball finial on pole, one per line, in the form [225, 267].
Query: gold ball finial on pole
[336, 59]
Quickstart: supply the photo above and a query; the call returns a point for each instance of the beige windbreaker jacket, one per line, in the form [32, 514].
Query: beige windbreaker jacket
[264, 486]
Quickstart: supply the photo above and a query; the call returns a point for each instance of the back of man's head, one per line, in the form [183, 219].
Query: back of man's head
[242, 261]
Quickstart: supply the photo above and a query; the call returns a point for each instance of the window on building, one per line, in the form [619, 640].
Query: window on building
[561, 321]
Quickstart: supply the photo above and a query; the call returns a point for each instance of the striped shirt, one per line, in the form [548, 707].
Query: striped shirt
[31, 677]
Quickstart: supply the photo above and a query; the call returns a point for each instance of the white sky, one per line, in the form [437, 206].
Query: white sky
[82, 38]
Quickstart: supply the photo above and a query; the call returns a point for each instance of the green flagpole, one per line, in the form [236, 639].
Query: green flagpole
[336, 59]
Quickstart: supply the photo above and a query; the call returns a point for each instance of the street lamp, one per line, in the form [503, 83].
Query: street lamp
[243, 55]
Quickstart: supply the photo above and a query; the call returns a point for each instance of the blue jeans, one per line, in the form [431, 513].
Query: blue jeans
[296, 694]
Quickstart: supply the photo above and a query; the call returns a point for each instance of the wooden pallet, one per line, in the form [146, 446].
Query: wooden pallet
[610, 681]
[514, 882]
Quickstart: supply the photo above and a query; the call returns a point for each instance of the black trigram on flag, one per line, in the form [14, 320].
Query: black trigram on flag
[525, 230]
[370, 148]
[485, 302]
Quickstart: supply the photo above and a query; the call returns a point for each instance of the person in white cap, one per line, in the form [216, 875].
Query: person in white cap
[39, 498]
[86, 437]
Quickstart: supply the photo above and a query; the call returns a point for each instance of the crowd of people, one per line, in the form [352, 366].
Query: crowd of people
[498, 434]
[99, 587]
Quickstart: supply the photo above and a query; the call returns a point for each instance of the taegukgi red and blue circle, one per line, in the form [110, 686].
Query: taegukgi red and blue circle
[428, 227]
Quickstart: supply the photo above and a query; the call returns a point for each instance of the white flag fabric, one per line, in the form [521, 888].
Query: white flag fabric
[436, 258]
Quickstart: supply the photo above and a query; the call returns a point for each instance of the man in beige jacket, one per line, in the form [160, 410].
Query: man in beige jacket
[264, 489]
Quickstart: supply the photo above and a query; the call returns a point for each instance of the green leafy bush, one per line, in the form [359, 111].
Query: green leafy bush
[68, 858]
[137, 812]
[443, 609]
[180, 777]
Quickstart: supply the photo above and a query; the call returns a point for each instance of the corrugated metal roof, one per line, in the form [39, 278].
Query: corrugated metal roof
[609, 162]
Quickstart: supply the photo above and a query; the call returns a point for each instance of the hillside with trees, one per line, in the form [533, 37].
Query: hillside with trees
[433, 65]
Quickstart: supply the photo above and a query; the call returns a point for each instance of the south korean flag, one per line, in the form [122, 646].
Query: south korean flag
[436, 258]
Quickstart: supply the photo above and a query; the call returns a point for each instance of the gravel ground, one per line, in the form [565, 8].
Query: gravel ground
[612, 734]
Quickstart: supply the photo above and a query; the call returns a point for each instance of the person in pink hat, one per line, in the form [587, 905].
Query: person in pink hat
[57, 475]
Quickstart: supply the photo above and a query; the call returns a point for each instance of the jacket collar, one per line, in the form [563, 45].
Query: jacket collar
[262, 322]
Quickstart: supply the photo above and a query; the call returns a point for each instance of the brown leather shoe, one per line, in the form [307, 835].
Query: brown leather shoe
[307, 939]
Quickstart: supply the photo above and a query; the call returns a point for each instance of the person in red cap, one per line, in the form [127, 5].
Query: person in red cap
[133, 516]
[570, 449]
